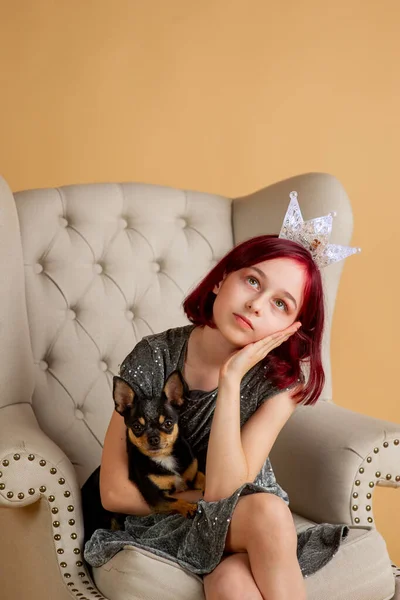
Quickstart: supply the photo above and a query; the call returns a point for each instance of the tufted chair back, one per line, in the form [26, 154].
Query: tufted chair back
[88, 270]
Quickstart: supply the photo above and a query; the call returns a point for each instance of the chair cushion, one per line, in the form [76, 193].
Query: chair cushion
[361, 570]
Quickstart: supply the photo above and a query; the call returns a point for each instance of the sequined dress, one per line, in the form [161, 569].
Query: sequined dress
[198, 544]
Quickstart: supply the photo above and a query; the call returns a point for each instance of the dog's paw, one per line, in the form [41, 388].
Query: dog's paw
[191, 510]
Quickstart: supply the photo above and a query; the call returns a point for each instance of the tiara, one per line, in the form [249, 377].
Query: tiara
[313, 235]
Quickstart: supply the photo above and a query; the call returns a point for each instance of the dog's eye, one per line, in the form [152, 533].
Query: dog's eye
[137, 427]
[168, 423]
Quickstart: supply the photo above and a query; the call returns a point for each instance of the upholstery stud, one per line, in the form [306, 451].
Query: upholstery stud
[43, 365]
[79, 563]
[98, 269]
[396, 442]
[357, 482]
[73, 536]
[355, 495]
[67, 575]
[385, 444]
[53, 470]
[79, 414]
[182, 223]
[63, 222]
[38, 268]
[129, 315]
[388, 476]
[369, 459]
[77, 551]
[42, 463]
[361, 470]
[31, 491]
[60, 551]
[67, 494]
[371, 484]
[56, 523]
[397, 477]
[71, 522]
[31, 457]
[63, 565]
[21, 496]
[5, 463]
[370, 520]
[16, 456]
[122, 223]
[357, 520]
[2, 486]
[369, 495]
[71, 314]
[57, 537]
[376, 450]
[51, 498]
[54, 510]
[10, 494]
[368, 507]
[61, 481]
[378, 474]
[103, 365]
[355, 507]
[156, 267]
[42, 488]
[70, 508]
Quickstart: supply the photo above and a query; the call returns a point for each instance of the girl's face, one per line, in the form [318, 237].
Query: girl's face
[269, 295]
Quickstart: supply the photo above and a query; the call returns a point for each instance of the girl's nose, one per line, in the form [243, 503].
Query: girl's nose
[254, 307]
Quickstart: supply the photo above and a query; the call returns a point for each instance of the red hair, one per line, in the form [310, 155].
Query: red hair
[283, 363]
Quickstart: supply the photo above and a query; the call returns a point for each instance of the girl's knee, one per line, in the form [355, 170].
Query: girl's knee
[269, 515]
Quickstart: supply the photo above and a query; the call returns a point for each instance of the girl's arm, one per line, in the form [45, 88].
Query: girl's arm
[235, 456]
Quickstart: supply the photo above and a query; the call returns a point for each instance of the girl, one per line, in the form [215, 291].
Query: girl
[254, 318]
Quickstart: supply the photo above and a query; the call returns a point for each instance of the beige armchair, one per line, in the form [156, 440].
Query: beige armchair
[88, 270]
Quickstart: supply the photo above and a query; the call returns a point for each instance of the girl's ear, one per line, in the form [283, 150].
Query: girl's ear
[218, 287]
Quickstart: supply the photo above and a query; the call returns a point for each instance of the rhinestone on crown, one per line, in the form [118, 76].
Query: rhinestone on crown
[313, 235]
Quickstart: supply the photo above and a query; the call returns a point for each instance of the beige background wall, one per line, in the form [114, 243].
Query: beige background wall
[227, 97]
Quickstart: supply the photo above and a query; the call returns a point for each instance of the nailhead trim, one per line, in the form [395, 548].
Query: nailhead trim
[56, 524]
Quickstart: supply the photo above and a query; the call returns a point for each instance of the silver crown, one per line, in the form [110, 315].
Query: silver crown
[313, 235]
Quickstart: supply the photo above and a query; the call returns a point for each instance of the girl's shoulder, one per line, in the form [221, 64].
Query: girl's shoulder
[154, 357]
[170, 338]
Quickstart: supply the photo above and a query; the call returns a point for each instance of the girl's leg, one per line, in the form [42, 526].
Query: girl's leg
[232, 579]
[262, 526]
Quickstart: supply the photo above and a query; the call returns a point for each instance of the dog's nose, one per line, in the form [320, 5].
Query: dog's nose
[154, 440]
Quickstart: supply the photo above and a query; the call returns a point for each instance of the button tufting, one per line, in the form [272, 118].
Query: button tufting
[79, 414]
[182, 223]
[123, 223]
[38, 268]
[63, 222]
[129, 315]
[71, 314]
[98, 268]
[156, 267]
[43, 365]
[103, 365]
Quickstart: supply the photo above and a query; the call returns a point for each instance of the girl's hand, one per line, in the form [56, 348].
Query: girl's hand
[244, 359]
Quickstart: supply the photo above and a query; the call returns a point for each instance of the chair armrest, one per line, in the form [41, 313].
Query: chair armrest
[329, 460]
[32, 468]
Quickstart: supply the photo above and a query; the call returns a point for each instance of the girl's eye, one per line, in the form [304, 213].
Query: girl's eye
[251, 280]
[283, 305]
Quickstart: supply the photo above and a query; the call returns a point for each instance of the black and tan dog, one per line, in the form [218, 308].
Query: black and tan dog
[160, 461]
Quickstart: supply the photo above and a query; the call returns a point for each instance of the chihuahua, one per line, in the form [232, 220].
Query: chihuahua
[160, 460]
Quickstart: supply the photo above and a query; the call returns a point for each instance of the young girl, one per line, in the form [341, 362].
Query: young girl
[254, 318]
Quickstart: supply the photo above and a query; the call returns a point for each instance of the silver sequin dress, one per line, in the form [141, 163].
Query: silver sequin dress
[198, 544]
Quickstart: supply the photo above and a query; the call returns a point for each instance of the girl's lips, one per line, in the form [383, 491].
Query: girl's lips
[242, 322]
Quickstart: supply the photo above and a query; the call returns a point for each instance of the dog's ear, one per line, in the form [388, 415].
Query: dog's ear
[123, 395]
[175, 388]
